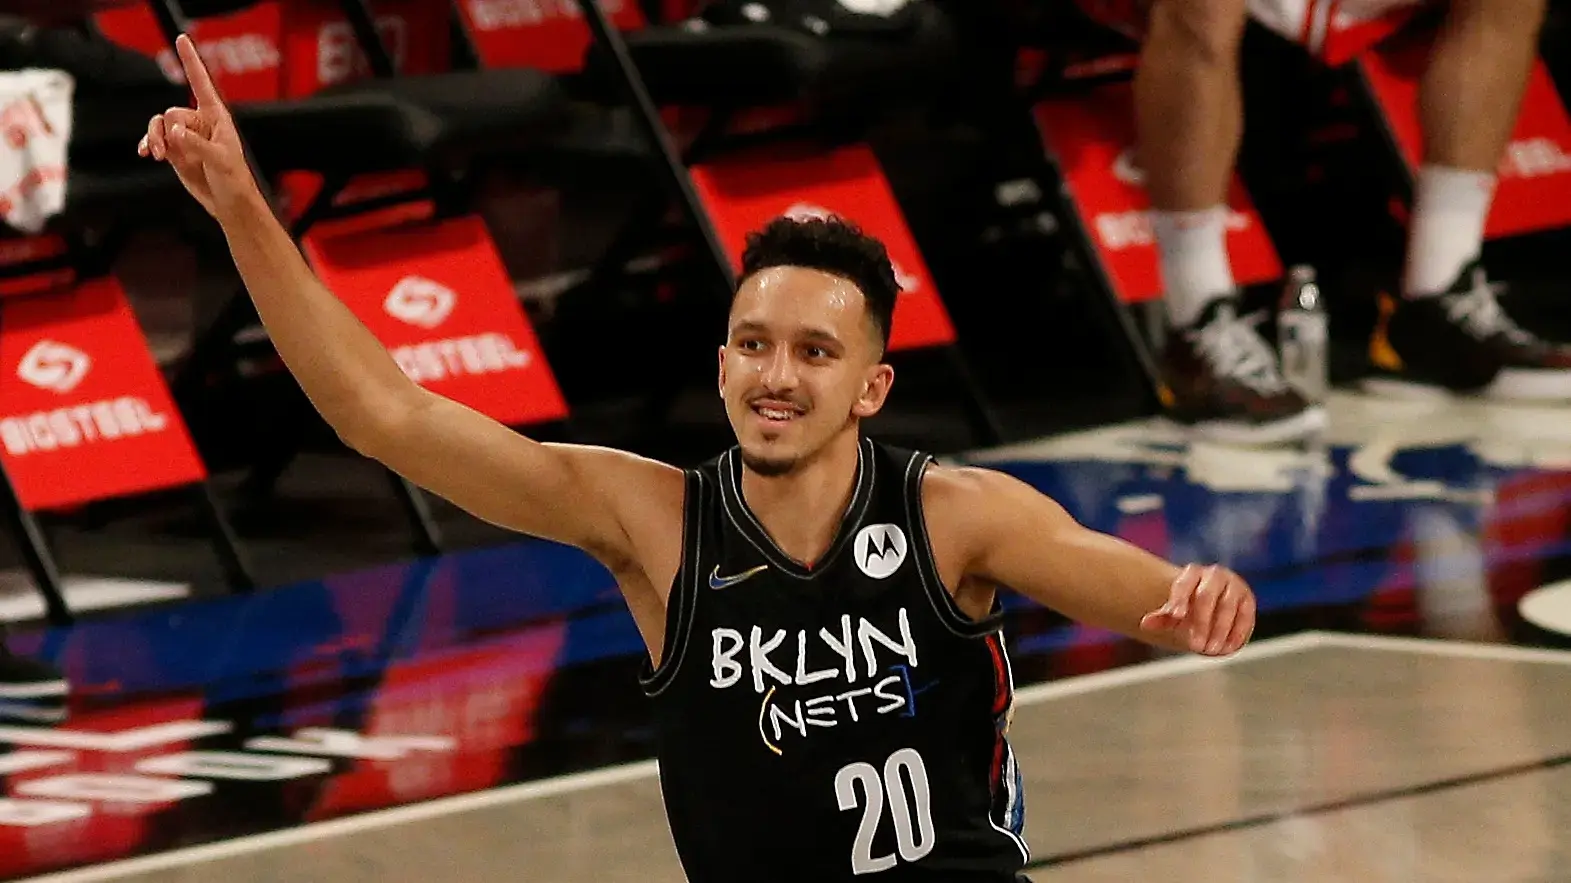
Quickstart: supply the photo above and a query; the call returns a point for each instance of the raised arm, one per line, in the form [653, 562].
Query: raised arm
[1009, 534]
[592, 498]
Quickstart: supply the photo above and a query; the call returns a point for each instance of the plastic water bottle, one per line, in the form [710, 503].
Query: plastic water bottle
[1303, 335]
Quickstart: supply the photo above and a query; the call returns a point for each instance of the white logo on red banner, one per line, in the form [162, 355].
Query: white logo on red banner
[1092, 138]
[82, 428]
[1533, 192]
[440, 301]
[491, 15]
[419, 301]
[54, 366]
[339, 59]
[1534, 158]
[1117, 231]
[227, 56]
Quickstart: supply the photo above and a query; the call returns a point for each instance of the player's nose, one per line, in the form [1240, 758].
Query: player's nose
[780, 373]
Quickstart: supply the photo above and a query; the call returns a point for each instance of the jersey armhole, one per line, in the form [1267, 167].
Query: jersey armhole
[683, 600]
[944, 606]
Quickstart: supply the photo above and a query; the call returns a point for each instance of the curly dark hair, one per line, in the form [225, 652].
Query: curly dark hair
[832, 245]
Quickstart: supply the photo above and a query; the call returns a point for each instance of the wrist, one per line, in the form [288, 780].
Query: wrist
[241, 213]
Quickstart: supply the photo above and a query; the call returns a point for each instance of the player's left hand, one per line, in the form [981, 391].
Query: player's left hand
[1209, 608]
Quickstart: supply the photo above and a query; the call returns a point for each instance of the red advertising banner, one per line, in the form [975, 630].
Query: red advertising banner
[745, 192]
[1534, 189]
[241, 48]
[28, 249]
[676, 10]
[1092, 138]
[548, 35]
[86, 413]
[319, 46]
[438, 297]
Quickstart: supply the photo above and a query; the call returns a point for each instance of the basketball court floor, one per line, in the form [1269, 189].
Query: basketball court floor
[1405, 714]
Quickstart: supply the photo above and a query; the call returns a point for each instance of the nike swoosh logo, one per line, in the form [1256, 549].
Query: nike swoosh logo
[717, 582]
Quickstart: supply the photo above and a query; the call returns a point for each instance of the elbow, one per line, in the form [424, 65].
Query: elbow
[372, 427]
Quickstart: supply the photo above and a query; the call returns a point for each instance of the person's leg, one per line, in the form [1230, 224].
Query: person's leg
[1469, 100]
[1222, 376]
[30, 691]
[1189, 118]
[1448, 331]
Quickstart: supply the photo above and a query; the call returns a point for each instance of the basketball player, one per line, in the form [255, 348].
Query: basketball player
[819, 610]
[1446, 330]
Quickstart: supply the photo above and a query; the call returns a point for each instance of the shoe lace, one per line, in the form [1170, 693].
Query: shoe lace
[1479, 313]
[1237, 351]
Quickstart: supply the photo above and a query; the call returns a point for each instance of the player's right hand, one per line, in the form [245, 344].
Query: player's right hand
[201, 142]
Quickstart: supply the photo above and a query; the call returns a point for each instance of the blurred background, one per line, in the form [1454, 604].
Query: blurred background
[538, 206]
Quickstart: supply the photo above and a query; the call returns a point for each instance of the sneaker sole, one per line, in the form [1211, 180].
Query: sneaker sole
[1296, 428]
[1530, 385]
[1406, 390]
[37, 690]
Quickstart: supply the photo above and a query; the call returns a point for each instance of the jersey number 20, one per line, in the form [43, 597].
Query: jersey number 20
[904, 780]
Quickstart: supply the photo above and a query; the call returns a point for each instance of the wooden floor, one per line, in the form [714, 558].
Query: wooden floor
[1315, 757]
[1335, 752]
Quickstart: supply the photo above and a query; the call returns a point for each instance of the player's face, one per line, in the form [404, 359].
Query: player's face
[800, 366]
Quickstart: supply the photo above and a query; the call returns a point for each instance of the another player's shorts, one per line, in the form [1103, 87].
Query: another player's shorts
[1335, 31]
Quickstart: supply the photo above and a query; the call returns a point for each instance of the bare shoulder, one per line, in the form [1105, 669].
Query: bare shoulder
[968, 507]
[972, 492]
[957, 502]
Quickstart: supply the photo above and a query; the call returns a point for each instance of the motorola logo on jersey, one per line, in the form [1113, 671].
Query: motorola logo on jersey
[856, 672]
[880, 549]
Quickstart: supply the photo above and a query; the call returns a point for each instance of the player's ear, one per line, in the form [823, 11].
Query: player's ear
[875, 390]
[722, 370]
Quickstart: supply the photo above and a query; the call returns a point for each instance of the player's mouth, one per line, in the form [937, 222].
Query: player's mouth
[777, 412]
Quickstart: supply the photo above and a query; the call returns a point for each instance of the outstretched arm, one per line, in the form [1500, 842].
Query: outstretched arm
[1014, 536]
[571, 494]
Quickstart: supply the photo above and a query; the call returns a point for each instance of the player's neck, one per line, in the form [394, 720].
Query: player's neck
[801, 511]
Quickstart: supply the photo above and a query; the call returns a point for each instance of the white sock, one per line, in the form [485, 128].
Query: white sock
[1195, 269]
[1447, 230]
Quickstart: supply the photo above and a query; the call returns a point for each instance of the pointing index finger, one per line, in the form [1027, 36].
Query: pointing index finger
[196, 75]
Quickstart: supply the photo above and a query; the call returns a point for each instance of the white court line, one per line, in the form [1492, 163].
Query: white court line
[619, 775]
[1169, 667]
[415, 812]
[1447, 647]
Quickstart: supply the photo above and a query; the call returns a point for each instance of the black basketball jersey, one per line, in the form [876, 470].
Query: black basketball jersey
[832, 722]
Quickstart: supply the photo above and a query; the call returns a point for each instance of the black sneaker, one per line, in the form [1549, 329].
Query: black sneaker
[1462, 341]
[31, 691]
[1225, 383]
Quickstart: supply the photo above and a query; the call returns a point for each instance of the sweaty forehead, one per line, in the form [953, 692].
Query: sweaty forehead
[791, 296]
